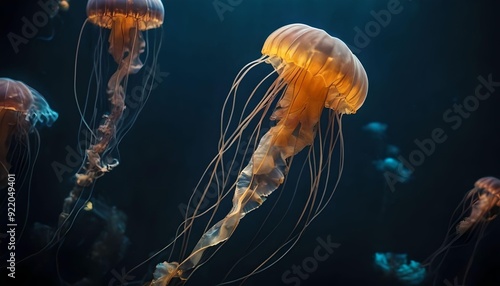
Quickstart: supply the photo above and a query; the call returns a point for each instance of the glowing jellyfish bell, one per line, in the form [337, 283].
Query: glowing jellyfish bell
[22, 109]
[126, 19]
[314, 71]
[64, 5]
[317, 71]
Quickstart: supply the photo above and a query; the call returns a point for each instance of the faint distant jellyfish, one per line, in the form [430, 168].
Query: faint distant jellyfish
[108, 247]
[52, 7]
[377, 132]
[101, 237]
[393, 169]
[64, 5]
[56, 6]
[22, 109]
[392, 150]
[314, 71]
[126, 19]
[397, 266]
[480, 206]
[378, 129]
[59, 5]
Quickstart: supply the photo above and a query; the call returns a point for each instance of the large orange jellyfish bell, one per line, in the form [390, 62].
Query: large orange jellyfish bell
[314, 71]
[298, 46]
[320, 71]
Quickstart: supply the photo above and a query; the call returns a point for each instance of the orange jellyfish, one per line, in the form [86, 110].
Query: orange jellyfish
[22, 109]
[485, 204]
[314, 71]
[126, 20]
[480, 206]
[64, 5]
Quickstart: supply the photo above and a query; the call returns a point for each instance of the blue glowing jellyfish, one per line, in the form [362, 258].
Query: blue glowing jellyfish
[392, 150]
[397, 266]
[377, 129]
[377, 132]
[22, 110]
[393, 169]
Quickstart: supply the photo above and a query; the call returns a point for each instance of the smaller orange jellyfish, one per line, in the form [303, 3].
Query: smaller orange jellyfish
[126, 20]
[483, 203]
[21, 110]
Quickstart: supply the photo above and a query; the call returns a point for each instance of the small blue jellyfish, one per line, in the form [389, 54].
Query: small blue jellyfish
[396, 265]
[376, 128]
[377, 132]
[391, 150]
[393, 169]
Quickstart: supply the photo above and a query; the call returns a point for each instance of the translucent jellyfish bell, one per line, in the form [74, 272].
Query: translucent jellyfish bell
[22, 109]
[125, 18]
[17, 96]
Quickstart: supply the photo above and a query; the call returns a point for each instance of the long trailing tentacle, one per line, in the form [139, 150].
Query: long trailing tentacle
[263, 174]
[297, 114]
[126, 54]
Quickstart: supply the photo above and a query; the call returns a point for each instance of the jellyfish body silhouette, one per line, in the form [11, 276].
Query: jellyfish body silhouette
[22, 109]
[315, 71]
[485, 204]
[479, 206]
[126, 21]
